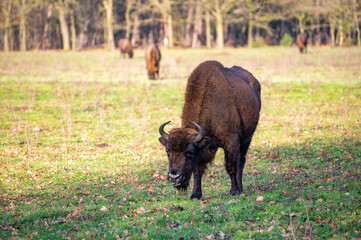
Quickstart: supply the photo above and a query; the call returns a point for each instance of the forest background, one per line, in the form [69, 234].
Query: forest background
[83, 24]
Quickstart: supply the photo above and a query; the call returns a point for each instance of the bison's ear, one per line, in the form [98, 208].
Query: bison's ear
[204, 142]
[162, 141]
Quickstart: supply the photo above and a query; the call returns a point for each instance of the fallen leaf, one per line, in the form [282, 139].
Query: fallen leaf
[232, 201]
[74, 214]
[141, 211]
[270, 228]
[103, 209]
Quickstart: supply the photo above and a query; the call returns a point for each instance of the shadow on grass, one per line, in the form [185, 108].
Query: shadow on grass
[317, 183]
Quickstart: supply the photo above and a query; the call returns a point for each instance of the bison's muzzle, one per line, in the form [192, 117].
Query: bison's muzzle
[175, 179]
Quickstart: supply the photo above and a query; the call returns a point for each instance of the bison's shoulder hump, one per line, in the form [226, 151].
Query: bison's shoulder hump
[204, 71]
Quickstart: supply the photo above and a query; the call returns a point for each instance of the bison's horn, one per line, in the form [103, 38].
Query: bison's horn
[162, 132]
[200, 135]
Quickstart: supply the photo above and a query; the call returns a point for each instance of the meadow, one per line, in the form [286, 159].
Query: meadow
[80, 157]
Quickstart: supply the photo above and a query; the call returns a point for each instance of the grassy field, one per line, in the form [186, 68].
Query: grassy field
[80, 157]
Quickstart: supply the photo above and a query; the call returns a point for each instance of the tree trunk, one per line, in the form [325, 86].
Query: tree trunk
[127, 19]
[168, 24]
[63, 25]
[208, 30]
[219, 25]
[332, 33]
[7, 12]
[250, 29]
[188, 36]
[170, 30]
[341, 37]
[358, 37]
[136, 33]
[197, 25]
[300, 22]
[318, 33]
[45, 40]
[22, 25]
[108, 5]
[73, 32]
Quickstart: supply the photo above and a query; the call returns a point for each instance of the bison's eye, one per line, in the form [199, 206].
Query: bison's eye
[189, 154]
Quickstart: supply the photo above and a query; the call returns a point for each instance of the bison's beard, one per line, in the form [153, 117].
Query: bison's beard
[182, 187]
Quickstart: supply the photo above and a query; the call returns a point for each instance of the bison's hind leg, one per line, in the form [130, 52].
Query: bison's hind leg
[232, 163]
[235, 159]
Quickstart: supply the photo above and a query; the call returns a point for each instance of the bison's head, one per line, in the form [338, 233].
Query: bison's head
[183, 147]
[153, 71]
[130, 54]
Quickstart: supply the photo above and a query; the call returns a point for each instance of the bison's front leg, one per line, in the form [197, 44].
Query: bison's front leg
[197, 188]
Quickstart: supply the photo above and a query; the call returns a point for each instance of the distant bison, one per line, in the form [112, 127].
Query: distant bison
[152, 58]
[221, 110]
[302, 42]
[125, 47]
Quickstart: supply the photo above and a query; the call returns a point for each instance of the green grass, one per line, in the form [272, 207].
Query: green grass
[80, 157]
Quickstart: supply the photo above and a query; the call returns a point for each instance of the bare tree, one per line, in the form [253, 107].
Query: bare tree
[45, 39]
[168, 22]
[208, 29]
[197, 25]
[128, 21]
[108, 5]
[356, 12]
[61, 6]
[6, 9]
[24, 7]
[219, 8]
[188, 32]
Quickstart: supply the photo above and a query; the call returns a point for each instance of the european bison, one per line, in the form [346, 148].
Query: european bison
[152, 58]
[302, 42]
[125, 47]
[221, 110]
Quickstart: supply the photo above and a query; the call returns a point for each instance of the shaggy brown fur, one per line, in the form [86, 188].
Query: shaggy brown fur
[302, 42]
[125, 47]
[226, 103]
[152, 58]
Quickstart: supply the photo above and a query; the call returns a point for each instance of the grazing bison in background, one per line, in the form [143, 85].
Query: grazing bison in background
[302, 42]
[125, 47]
[152, 58]
[221, 110]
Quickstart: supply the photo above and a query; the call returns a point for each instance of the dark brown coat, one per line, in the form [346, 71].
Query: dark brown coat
[125, 47]
[152, 58]
[221, 110]
[302, 42]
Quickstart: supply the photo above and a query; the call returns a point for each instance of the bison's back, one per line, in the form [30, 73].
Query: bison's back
[125, 46]
[302, 38]
[152, 58]
[224, 101]
[152, 53]
[302, 41]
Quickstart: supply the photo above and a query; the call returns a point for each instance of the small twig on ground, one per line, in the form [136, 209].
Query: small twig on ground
[291, 224]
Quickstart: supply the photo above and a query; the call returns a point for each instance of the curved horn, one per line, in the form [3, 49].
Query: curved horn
[200, 135]
[162, 132]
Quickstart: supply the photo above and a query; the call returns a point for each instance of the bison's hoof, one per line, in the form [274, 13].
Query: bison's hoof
[235, 192]
[195, 196]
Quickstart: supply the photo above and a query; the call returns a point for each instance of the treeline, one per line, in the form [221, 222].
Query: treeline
[82, 24]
